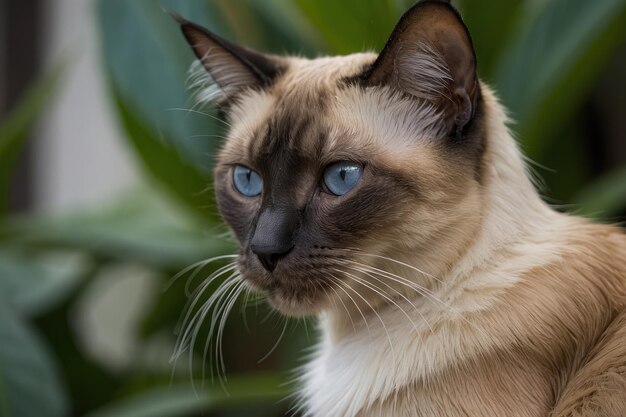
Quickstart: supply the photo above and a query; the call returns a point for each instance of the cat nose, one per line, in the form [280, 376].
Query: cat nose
[269, 257]
[274, 234]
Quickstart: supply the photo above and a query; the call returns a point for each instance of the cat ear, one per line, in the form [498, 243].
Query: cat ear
[232, 67]
[430, 55]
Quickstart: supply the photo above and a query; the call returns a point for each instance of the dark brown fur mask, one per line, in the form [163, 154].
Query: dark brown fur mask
[334, 165]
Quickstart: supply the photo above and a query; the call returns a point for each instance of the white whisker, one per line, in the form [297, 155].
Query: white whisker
[337, 281]
[422, 290]
[383, 294]
[197, 295]
[200, 113]
[200, 264]
[395, 261]
[219, 354]
[382, 322]
[364, 271]
[282, 333]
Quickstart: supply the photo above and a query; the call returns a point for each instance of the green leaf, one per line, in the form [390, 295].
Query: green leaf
[351, 25]
[35, 283]
[553, 62]
[281, 27]
[29, 384]
[491, 24]
[242, 391]
[142, 227]
[165, 165]
[14, 129]
[146, 62]
[606, 196]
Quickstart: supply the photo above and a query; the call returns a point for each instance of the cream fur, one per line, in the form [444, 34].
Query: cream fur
[354, 369]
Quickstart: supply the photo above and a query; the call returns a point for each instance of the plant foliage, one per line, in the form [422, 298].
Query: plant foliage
[543, 57]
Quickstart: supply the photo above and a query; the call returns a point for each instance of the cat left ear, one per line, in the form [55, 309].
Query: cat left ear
[430, 55]
[232, 67]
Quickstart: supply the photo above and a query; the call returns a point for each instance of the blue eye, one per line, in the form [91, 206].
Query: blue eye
[247, 181]
[341, 177]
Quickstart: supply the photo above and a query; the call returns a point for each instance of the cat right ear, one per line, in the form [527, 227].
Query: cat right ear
[234, 68]
[430, 56]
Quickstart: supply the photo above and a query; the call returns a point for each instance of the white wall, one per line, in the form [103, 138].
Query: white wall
[81, 157]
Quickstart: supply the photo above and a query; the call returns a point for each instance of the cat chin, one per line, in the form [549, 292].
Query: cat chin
[287, 299]
[293, 307]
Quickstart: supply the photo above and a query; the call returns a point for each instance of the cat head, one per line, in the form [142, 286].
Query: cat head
[337, 169]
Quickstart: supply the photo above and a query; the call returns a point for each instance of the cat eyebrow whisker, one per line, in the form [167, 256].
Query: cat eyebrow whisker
[207, 136]
[200, 113]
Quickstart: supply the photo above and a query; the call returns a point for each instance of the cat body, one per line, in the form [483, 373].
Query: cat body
[385, 194]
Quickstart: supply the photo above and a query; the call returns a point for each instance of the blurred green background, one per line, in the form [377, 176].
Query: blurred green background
[87, 319]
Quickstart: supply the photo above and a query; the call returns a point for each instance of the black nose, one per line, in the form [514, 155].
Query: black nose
[269, 257]
[274, 234]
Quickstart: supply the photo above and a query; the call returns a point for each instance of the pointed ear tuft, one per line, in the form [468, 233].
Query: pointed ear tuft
[430, 56]
[232, 67]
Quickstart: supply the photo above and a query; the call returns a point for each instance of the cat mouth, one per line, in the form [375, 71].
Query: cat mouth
[312, 279]
[292, 294]
[296, 288]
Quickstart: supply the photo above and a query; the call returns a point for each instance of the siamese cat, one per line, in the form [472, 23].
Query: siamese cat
[384, 194]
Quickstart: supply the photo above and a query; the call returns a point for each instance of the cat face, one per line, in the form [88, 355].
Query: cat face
[336, 168]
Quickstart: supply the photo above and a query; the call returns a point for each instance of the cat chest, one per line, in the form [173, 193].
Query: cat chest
[492, 385]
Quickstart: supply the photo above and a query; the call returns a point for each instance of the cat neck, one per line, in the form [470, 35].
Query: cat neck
[513, 210]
